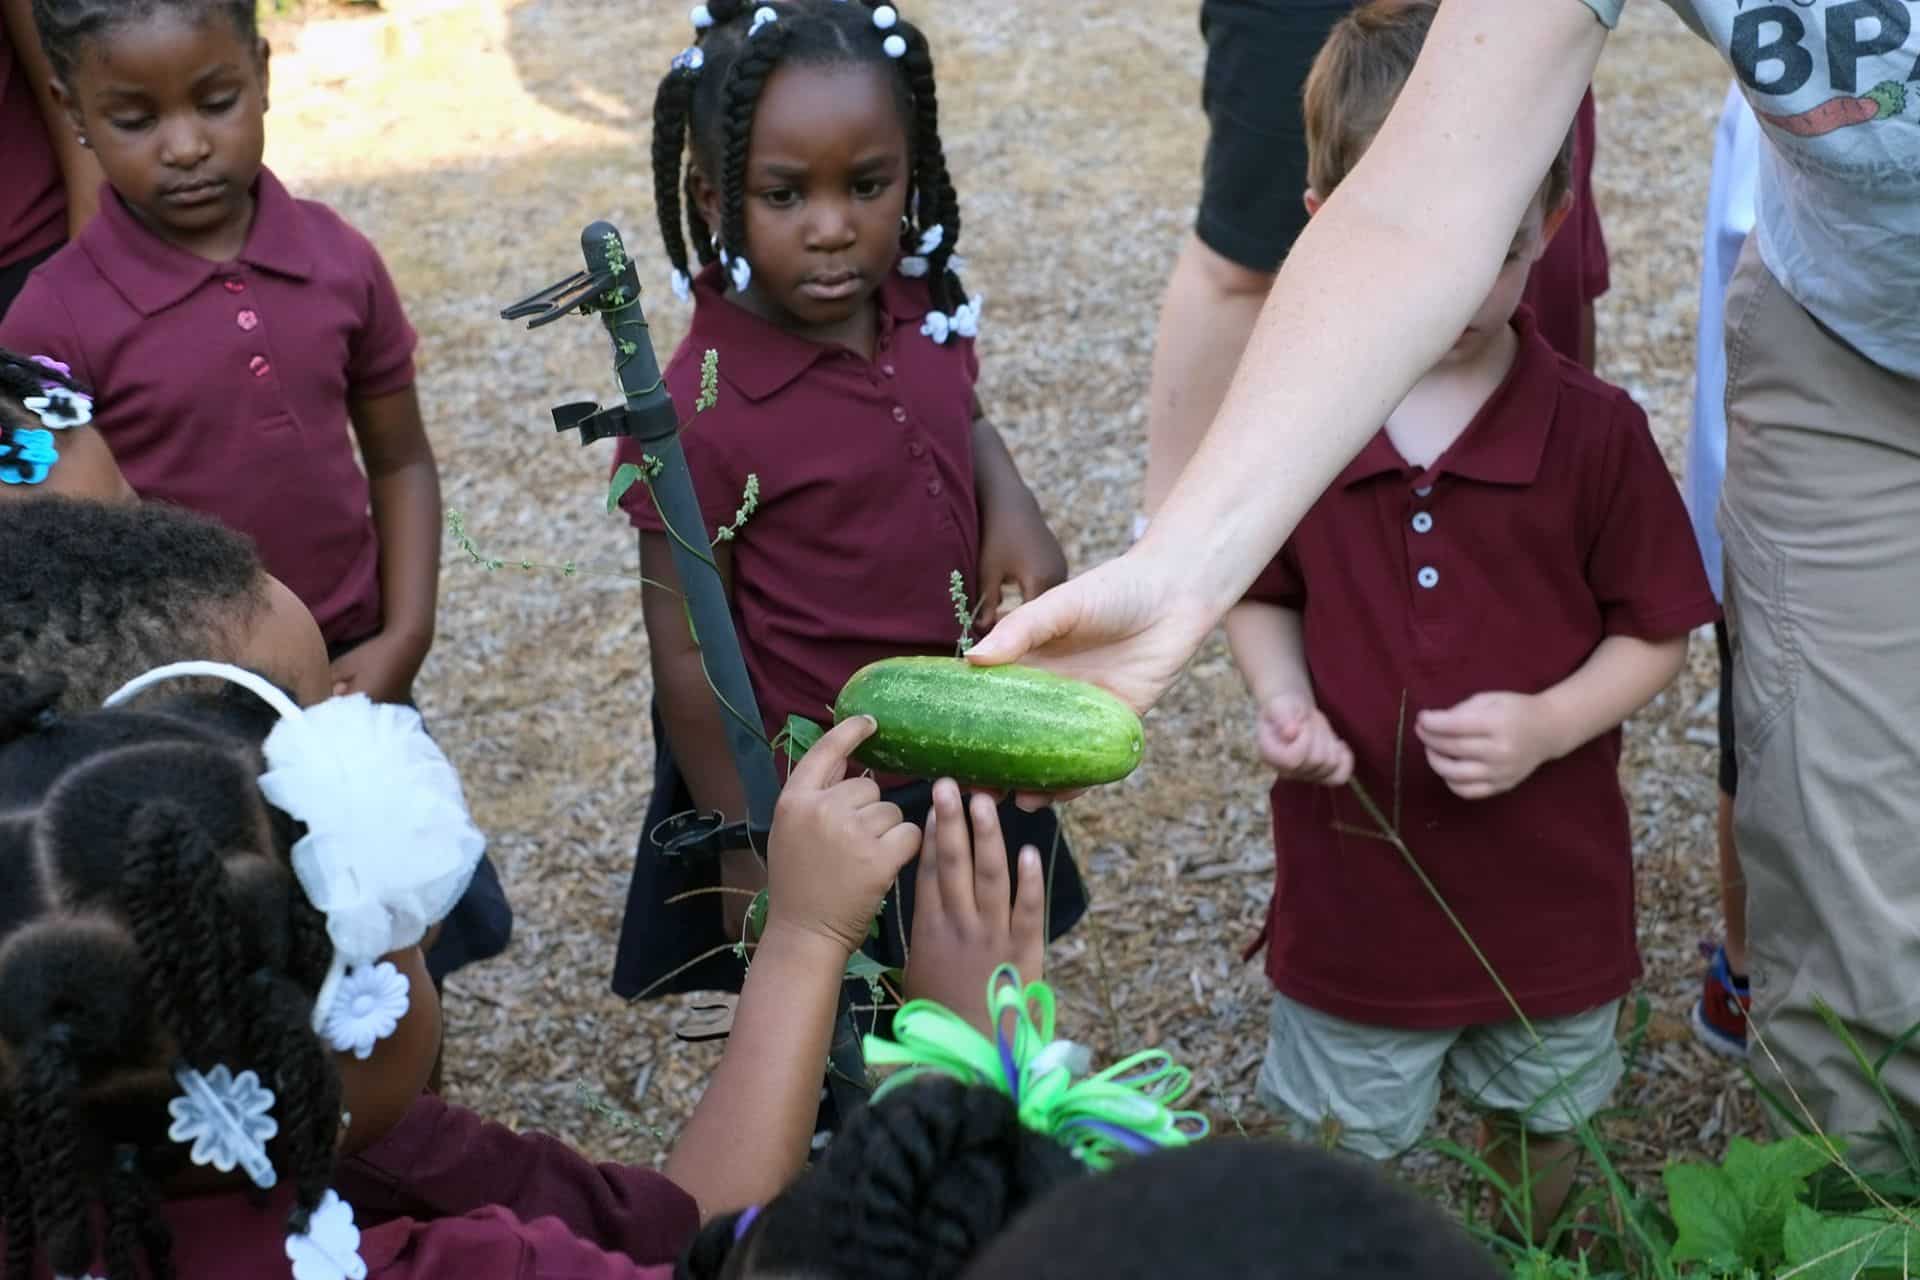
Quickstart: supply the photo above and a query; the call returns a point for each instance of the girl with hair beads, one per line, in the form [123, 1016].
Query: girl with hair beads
[47, 441]
[818, 203]
[243, 342]
[211, 991]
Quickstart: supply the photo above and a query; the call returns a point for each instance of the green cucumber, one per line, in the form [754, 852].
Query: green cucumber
[1016, 727]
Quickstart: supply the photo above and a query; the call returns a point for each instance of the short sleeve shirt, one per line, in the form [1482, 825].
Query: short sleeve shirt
[867, 502]
[33, 197]
[225, 387]
[565, 1219]
[1836, 85]
[1551, 524]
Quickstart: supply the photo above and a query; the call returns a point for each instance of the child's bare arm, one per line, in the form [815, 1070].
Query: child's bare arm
[690, 715]
[836, 848]
[1016, 546]
[405, 487]
[1492, 742]
[1270, 651]
[78, 169]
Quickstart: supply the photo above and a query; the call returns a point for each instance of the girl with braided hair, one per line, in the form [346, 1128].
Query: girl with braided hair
[203, 1072]
[47, 440]
[797, 148]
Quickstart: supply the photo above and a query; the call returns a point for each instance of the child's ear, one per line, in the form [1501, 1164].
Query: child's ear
[1313, 200]
[264, 55]
[64, 98]
[1550, 225]
[705, 197]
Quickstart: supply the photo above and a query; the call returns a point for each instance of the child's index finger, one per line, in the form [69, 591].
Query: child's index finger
[826, 760]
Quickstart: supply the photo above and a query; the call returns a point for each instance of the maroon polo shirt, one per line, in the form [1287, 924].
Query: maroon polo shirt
[866, 490]
[486, 1204]
[1551, 524]
[224, 387]
[33, 194]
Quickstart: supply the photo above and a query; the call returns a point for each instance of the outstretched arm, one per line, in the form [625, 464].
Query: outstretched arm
[1380, 283]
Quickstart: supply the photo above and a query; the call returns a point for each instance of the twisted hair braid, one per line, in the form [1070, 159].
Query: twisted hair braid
[142, 844]
[912, 1189]
[938, 204]
[745, 79]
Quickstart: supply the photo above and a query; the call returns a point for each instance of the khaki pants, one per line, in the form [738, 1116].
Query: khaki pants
[1821, 518]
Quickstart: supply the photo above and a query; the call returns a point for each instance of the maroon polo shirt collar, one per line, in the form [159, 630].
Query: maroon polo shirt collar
[779, 357]
[1506, 439]
[153, 275]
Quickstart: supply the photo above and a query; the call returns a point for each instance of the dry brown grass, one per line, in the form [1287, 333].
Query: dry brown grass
[473, 139]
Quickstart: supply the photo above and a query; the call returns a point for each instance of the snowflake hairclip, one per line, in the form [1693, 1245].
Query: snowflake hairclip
[389, 846]
[689, 59]
[330, 1247]
[742, 274]
[761, 17]
[226, 1119]
[367, 1009]
[682, 287]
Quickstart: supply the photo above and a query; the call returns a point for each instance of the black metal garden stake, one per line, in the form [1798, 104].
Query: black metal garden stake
[610, 288]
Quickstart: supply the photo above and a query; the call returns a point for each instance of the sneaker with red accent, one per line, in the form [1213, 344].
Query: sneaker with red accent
[1720, 1014]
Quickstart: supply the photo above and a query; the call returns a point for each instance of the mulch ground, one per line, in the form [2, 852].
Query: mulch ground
[473, 140]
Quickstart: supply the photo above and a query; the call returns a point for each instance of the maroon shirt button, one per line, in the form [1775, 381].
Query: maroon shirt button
[887, 369]
[248, 321]
[260, 366]
[235, 286]
[1428, 577]
[899, 413]
[917, 449]
[1422, 522]
[933, 488]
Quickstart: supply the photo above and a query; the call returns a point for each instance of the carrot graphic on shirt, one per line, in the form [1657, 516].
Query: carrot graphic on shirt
[1882, 102]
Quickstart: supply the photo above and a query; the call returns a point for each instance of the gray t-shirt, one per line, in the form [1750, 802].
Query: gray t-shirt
[1836, 85]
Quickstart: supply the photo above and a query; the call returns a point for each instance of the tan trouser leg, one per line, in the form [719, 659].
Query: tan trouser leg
[1821, 517]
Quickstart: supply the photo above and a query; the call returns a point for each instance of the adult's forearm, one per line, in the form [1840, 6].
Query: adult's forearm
[1381, 282]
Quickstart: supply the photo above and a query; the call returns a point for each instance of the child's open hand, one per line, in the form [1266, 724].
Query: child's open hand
[967, 920]
[1488, 744]
[1297, 740]
[836, 846]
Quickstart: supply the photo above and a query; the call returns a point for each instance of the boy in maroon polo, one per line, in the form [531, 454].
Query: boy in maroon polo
[241, 343]
[845, 398]
[1506, 573]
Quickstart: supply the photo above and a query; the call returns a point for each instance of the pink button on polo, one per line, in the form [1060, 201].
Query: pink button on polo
[235, 286]
[917, 449]
[260, 366]
[933, 488]
[899, 413]
[248, 321]
[887, 369]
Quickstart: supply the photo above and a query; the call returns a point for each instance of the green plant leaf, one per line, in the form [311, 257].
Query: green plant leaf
[1869, 1244]
[867, 969]
[1708, 1213]
[625, 476]
[756, 925]
[797, 738]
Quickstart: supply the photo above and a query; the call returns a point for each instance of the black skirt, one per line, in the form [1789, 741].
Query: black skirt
[658, 938]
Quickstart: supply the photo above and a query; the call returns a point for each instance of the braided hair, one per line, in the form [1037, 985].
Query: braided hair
[102, 591]
[151, 920]
[22, 379]
[65, 25]
[703, 122]
[912, 1189]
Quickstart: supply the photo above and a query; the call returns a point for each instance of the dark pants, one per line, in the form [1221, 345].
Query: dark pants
[658, 937]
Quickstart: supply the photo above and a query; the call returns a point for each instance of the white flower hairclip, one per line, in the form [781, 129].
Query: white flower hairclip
[742, 274]
[389, 846]
[227, 1120]
[330, 1249]
[913, 266]
[761, 17]
[368, 1008]
[60, 407]
[700, 17]
[937, 326]
[966, 317]
[933, 237]
[691, 58]
[682, 287]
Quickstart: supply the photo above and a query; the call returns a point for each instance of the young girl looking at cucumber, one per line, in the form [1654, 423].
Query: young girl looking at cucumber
[805, 137]
[215, 1019]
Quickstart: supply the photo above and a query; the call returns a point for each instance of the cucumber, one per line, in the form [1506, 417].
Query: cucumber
[1014, 726]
